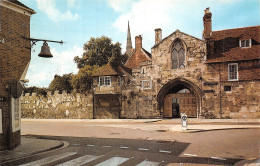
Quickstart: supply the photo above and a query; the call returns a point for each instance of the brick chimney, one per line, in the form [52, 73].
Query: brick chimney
[207, 24]
[138, 42]
[158, 35]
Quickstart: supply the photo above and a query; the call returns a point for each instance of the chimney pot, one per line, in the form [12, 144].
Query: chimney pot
[207, 24]
[138, 42]
[158, 35]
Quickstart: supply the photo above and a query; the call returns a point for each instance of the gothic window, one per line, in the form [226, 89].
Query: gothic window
[178, 55]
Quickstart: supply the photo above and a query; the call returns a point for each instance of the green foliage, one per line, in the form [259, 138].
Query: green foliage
[83, 80]
[61, 83]
[37, 90]
[98, 51]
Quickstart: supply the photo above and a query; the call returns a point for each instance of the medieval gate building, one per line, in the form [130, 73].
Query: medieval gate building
[214, 77]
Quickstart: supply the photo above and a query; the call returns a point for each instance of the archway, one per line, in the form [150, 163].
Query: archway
[179, 96]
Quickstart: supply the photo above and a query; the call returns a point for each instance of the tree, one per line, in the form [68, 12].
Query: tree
[61, 83]
[37, 90]
[98, 51]
[83, 80]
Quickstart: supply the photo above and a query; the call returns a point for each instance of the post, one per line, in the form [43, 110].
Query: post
[184, 120]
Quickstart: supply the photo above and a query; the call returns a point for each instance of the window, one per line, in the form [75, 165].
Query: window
[105, 81]
[233, 72]
[147, 84]
[227, 88]
[178, 55]
[245, 43]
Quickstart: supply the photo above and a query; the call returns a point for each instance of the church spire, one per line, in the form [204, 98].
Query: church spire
[129, 42]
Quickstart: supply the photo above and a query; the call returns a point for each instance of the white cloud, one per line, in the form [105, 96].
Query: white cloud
[41, 71]
[71, 3]
[120, 5]
[169, 15]
[49, 8]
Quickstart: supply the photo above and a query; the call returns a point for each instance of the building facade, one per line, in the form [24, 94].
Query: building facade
[214, 77]
[15, 56]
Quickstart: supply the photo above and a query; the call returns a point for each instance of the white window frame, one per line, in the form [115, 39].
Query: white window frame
[249, 40]
[1, 121]
[16, 128]
[106, 78]
[147, 81]
[232, 64]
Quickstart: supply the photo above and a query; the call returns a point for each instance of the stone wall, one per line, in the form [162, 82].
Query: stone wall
[57, 106]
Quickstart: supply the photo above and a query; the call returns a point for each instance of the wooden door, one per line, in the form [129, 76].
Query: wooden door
[186, 101]
[167, 112]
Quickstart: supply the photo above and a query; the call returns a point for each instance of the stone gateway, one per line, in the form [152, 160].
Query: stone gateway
[214, 77]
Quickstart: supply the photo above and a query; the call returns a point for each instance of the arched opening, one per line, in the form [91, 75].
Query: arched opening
[179, 96]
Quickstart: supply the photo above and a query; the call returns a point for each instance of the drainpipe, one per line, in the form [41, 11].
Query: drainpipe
[93, 100]
[220, 107]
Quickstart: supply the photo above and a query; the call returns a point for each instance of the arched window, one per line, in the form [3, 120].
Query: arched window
[178, 55]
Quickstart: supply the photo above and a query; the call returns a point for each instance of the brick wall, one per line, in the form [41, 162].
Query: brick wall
[14, 58]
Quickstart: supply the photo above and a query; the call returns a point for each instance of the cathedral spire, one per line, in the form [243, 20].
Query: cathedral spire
[129, 41]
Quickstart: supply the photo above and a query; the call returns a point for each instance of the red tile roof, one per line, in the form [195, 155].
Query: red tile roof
[236, 53]
[137, 57]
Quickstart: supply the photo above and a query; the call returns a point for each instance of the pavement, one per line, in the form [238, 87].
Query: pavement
[32, 145]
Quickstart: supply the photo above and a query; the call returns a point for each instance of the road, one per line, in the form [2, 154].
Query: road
[105, 152]
[97, 143]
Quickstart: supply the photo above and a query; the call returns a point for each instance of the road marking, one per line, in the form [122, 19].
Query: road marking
[80, 161]
[90, 145]
[148, 163]
[218, 158]
[113, 161]
[106, 146]
[165, 151]
[143, 149]
[124, 147]
[75, 144]
[49, 160]
[187, 154]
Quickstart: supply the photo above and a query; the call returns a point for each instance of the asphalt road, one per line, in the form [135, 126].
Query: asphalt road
[103, 143]
[124, 152]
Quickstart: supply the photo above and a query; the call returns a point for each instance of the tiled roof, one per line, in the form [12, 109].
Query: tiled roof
[249, 74]
[137, 57]
[109, 70]
[232, 52]
[20, 4]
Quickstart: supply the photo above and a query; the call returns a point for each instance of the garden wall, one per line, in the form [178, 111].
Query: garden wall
[57, 106]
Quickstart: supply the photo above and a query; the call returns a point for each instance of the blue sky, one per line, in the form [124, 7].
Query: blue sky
[75, 21]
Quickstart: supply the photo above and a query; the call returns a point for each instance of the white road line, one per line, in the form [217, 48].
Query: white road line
[90, 145]
[143, 149]
[75, 144]
[113, 161]
[49, 160]
[187, 154]
[80, 161]
[106, 146]
[148, 163]
[124, 147]
[165, 151]
[218, 158]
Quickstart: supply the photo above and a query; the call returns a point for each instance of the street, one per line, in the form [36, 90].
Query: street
[97, 143]
[104, 152]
